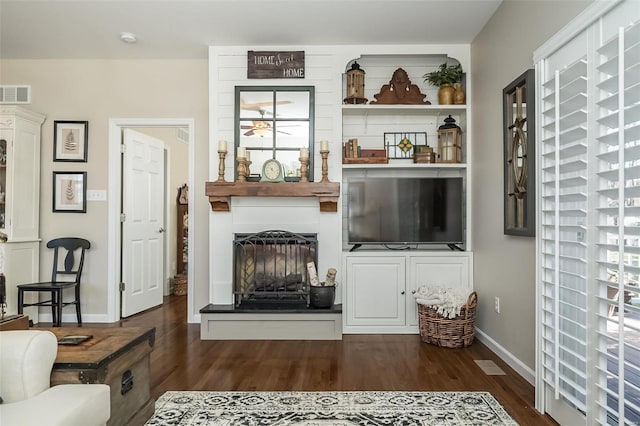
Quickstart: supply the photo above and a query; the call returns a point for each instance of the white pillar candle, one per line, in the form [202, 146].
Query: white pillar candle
[248, 155]
[242, 152]
[324, 145]
[304, 152]
[222, 145]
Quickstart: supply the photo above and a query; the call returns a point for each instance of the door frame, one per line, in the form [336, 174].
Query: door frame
[114, 207]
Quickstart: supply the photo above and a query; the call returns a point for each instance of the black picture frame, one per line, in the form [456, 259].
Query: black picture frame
[69, 192]
[70, 141]
[519, 156]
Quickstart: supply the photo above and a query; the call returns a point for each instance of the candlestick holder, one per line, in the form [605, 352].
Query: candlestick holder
[325, 166]
[304, 169]
[221, 155]
[242, 169]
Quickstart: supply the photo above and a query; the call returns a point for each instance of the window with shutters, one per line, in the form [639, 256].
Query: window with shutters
[589, 220]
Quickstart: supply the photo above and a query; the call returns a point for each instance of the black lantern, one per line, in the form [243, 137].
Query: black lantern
[355, 85]
[449, 142]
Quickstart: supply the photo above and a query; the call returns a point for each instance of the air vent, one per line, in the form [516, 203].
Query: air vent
[182, 133]
[15, 94]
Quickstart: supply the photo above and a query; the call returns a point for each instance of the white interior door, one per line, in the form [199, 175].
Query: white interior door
[143, 227]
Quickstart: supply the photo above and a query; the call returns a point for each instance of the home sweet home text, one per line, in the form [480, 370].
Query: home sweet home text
[267, 64]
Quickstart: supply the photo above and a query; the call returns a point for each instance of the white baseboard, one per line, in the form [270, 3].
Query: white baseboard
[195, 319]
[72, 319]
[527, 373]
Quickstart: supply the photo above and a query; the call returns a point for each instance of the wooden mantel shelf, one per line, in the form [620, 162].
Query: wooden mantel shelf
[220, 193]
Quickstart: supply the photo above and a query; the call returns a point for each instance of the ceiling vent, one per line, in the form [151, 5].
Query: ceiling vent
[15, 94]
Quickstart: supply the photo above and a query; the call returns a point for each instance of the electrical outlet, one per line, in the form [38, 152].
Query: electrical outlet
[497, 304]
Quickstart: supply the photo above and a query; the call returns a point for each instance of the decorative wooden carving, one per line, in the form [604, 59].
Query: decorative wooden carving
[400, 91]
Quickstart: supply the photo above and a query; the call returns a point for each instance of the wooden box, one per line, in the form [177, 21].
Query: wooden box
[368, 156]
[424, 157]
[118, 357]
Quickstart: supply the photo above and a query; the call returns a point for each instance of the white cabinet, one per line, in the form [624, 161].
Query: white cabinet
[20, 173]
[375, 291]
[378, 286]
[446, 270]
[20, 202]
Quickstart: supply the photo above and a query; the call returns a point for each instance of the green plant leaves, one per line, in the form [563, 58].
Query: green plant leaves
[446, 74]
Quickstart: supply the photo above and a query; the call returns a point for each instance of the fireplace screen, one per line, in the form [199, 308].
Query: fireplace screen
[270, 268]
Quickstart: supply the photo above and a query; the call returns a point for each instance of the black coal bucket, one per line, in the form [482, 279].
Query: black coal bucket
[322, 297]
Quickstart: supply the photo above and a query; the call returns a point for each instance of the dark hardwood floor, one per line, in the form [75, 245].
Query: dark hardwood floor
[181, 361]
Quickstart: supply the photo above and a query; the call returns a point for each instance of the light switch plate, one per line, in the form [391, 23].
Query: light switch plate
[96, 194]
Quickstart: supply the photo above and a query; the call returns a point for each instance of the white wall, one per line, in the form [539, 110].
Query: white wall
[97, 90]
[325, 66]
[505, 265]
[228, 68]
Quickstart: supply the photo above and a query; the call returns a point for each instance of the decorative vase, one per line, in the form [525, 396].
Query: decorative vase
[322, 297]
[458, 94]
[445, 94]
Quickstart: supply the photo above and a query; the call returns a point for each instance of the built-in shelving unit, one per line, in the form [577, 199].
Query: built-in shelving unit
[404, 165]
[442, 109]
[379, 282]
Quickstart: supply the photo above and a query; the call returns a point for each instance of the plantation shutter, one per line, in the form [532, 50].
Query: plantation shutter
[589, 221]
[617, 374]
[564, 227]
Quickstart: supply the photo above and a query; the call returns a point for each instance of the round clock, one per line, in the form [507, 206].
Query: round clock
[272, 171]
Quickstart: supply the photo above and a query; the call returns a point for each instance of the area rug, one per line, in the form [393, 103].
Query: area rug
[329, 408]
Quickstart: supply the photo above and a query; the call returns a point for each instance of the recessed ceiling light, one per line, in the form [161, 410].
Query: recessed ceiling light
[128, 37]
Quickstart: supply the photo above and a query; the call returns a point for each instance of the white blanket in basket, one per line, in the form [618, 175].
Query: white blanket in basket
[448, 301]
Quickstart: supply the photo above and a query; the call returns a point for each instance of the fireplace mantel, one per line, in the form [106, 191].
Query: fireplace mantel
[220, 193]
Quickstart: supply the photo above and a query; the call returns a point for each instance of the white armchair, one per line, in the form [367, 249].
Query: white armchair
[26, 359]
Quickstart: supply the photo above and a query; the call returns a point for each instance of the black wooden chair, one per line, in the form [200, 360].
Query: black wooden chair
[64, 276]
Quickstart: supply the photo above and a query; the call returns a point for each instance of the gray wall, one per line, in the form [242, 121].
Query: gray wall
[97, 90]
[505, 265]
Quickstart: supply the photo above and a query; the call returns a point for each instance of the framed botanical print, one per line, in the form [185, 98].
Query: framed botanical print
[69, 192]
[519, 156]
[70, 140]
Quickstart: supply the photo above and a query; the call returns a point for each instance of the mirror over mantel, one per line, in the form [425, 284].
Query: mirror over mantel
[275, 122]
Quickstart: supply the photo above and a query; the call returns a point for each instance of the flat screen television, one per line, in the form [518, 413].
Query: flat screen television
[405, 210]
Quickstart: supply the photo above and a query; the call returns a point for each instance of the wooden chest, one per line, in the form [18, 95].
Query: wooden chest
[118, 357]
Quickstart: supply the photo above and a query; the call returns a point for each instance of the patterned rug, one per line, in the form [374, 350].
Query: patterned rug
[329, 408]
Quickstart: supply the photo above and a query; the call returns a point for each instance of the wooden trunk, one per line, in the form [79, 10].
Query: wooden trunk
[14, 322]
[118, 357]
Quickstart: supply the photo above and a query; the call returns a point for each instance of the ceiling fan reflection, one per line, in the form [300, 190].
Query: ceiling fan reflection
[260, 128]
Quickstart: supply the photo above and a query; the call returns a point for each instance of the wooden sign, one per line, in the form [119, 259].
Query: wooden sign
[267, 64]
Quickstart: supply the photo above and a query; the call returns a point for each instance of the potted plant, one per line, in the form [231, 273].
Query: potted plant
[445, 77]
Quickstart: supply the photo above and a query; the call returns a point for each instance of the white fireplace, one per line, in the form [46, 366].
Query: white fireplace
[257, 214]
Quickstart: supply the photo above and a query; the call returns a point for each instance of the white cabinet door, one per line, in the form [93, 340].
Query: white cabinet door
[375, 291]
[446, 271]
[20, 173]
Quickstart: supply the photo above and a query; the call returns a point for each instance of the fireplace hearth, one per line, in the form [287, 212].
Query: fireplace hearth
[270, 269]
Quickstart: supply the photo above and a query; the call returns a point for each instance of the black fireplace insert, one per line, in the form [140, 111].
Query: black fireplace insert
[270, 269]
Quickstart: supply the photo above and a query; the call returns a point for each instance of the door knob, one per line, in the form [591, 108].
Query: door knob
[161, 230]
[402, 292]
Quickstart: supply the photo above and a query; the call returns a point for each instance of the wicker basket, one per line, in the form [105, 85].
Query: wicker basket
[456, 332]
[180, 285]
